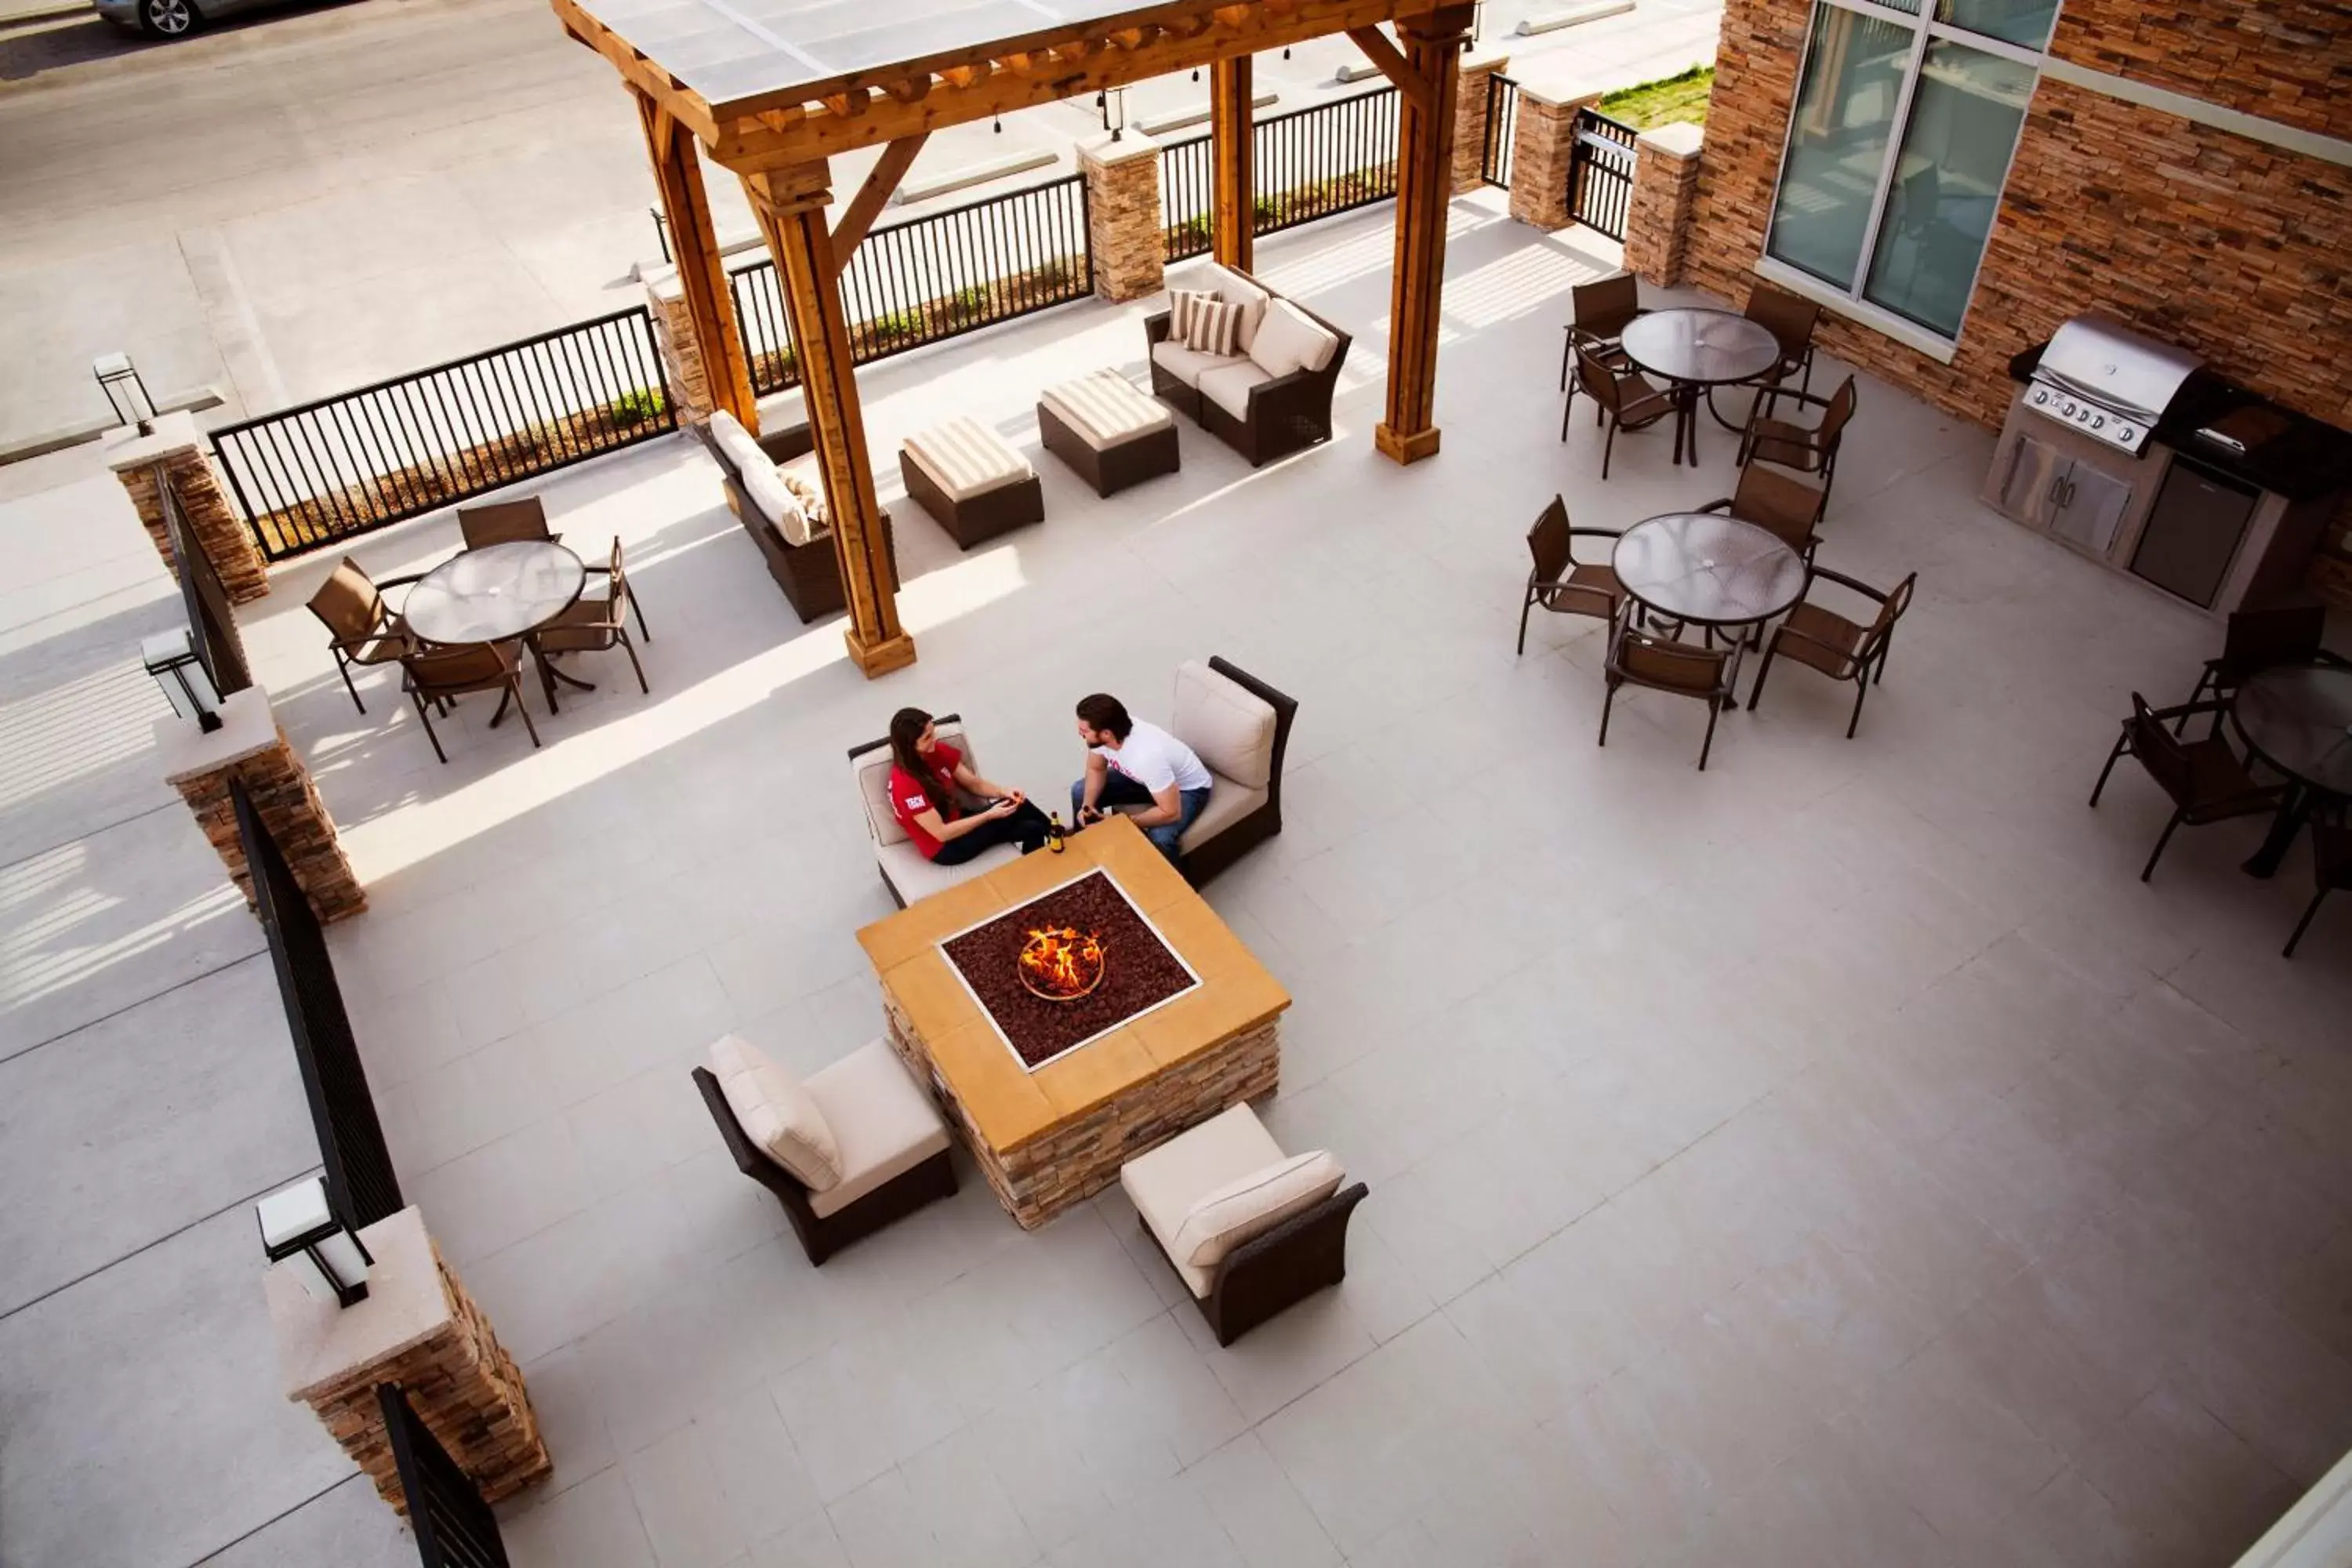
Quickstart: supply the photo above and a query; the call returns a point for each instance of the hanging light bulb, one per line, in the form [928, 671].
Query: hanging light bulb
[999, 124]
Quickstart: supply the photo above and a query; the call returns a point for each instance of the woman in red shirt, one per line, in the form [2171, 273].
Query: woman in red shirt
[926, 776]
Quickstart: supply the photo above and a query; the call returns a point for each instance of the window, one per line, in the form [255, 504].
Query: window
[1905, 120]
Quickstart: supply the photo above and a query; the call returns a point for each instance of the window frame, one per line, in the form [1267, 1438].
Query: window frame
[1851, 300]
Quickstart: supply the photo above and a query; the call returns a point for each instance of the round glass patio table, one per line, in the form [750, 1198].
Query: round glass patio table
[1696, 350]
[2298, 718]
[496, 594]
[1709, 569]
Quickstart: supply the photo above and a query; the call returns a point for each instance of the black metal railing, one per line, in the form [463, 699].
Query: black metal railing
[359, 460]
[454, 1527]
[1309, 163]
[361, 1186]
[1502, 124]
[212, 622]
[1188, 196]
[1601, 173]
[933, 277]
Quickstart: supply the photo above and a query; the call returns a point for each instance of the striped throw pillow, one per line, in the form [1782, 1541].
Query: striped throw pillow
[1216, 329]
[1182, 304]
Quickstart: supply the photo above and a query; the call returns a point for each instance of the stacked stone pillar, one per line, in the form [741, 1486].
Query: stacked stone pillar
[176, 453]
[1124, 228]
[1470, 119]
[417, 1328]
[251, 749]
[1542, 147]
[681, 350]
[1665, 189]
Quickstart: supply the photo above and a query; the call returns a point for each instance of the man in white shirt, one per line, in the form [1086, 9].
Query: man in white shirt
[1132, 763]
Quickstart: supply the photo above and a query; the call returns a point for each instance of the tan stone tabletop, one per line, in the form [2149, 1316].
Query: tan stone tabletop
[1009, 1103]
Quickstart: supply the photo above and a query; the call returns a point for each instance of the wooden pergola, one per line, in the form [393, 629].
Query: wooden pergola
[752, 84]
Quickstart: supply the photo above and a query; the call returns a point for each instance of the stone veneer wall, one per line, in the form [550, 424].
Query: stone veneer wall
[288, 806]
[1124, 227]
[213, 526]
[680, 351]
[464, 1387]
[2231, 247]
[1477, 71]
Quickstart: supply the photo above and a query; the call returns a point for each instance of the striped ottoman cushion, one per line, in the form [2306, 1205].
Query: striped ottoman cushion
[1103, 408]
[965, 459]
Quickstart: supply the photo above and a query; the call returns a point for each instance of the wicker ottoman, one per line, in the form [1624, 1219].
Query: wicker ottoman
[971, 480]
[1111, 433]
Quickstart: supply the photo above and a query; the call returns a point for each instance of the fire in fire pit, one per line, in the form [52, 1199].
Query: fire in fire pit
[1059, 965]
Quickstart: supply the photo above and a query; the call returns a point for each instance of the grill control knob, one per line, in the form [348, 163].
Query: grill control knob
[2098, 421]
[2125, 432]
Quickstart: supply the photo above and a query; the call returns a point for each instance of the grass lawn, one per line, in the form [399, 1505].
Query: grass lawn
[1655, 103]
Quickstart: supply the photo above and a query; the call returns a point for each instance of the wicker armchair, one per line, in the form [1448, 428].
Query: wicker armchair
[2256, 640]
[1809, 449]
[596, 625]
[505, 522]
[810, 574]
[1791, 318]
[1787, 508]
[435, 676]
[1560, 583]
[2207, 779]
[1277, 1244]
[1620, 397]
[1839, 647]
[1601, 310]
[1660, 664]
[361, 628]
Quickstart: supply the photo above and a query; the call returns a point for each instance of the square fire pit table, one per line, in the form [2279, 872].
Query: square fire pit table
[1053, 1096]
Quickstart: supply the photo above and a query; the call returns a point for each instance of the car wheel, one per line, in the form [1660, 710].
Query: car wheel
[168, 19]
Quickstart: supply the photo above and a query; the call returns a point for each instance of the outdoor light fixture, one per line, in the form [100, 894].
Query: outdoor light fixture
[298, 1228]
[171, 658]
[1115, 111]
[126, 393]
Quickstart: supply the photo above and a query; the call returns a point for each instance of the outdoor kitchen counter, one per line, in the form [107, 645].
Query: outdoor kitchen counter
[2305, 461]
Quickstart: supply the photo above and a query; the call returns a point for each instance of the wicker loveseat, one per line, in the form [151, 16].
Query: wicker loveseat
[800, 558]
[1275, 397]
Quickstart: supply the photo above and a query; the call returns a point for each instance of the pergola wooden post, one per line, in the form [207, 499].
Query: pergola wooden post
[789, 201]
[701, 271]
[1234, 226]
[1427, 76]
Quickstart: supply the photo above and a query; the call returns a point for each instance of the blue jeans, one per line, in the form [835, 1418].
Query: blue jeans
[1120, 789]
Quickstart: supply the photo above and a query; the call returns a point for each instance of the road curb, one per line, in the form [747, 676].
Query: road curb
[39, 13]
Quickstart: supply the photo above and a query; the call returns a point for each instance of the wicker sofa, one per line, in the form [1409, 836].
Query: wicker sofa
[803, 564]
[1267, 401]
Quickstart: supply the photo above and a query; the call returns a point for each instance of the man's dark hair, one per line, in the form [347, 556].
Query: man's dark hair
[1104, 712]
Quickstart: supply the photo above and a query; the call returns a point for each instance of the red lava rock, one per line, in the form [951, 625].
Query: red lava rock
[1138, 972]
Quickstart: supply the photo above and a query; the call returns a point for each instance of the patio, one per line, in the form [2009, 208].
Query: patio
[1834, 1157]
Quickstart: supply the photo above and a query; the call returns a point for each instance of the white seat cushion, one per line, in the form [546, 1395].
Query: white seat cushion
[916, 877]
[1246, 1208]
[1228, 386]
[966, 458]
[778, 1113]
[884, 1120]
[1165, 1183]
[1234, 290]
[1227, 724]
[1230, 800]
[741, 447]
[871, 771]
[801, 481]
[1186, 365]
[1288, 340]
[762, 485]
[1104, 409]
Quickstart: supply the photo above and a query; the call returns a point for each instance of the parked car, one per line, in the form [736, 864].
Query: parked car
[172, 18]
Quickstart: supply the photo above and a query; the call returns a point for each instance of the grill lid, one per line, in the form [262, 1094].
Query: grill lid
[2094, 357]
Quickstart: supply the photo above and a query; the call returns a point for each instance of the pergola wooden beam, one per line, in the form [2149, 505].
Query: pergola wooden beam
[701, 270]
[868, 204]
[1393, 66]
[1233, 229]
[1432, 52]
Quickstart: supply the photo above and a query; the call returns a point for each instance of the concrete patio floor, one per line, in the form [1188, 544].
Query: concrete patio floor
[1835, 1157]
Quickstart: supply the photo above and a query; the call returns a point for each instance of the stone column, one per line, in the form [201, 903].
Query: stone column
[1541, 148]
[1470, 119]
[1665, 188]
[681, 352]
[251, 748]
[417, 1328]
[178, 450]
[1124, 229]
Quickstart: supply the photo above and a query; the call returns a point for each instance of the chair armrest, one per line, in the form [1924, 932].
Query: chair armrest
[1301, 392]
[1720, 504]
[1596, 533]
[2189, 710]
[791, 441]
[1842, 579]
[1155, 327]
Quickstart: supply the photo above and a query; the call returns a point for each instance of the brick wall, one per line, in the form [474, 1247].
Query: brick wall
[2228, 246]
[2288, 60]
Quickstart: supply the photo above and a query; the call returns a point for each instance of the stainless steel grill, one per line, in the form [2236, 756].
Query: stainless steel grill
[2109, 382]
